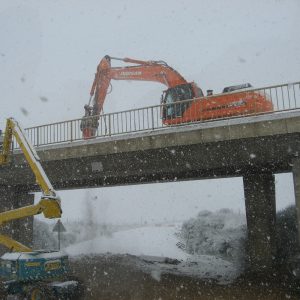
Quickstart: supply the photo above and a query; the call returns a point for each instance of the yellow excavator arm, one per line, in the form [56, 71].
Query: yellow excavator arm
[49, 203]
[13, 129]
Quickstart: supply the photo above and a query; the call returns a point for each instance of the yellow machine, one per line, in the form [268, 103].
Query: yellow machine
[49, 203]
[38, 274]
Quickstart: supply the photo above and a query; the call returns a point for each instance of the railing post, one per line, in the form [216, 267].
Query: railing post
[37, 136]
[152, 118]
[109, 124]
[71, 131]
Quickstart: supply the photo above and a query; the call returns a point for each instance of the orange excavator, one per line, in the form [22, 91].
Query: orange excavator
[174, 110]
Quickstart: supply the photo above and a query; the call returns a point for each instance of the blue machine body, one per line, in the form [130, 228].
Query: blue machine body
[31, 266]
[19, 269]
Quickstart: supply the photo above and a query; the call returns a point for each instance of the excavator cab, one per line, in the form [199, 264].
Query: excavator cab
[171, 100]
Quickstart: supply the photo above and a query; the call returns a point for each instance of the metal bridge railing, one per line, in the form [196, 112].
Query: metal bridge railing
[283, 97]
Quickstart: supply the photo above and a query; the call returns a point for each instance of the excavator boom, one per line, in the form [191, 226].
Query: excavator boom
[13, 129]
[156, 71]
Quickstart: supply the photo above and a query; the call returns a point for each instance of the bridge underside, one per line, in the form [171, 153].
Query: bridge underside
[219, 159]
[255, 151]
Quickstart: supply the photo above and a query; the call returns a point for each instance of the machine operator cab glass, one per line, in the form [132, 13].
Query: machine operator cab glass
[172, 96]
[8, 269]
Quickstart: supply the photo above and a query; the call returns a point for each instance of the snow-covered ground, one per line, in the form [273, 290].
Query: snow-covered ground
[150, 240]
[210, 246]
[165, 249]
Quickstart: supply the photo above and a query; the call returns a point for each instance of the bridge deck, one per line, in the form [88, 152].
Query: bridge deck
[230, 147]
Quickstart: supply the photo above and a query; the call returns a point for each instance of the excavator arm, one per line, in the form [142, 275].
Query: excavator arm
[155, 71]
[49, 203]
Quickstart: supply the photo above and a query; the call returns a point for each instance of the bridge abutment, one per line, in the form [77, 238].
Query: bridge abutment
[260, 204]
[20, 230]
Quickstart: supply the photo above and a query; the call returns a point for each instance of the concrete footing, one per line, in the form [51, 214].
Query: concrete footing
[261, 216]
[20, 230]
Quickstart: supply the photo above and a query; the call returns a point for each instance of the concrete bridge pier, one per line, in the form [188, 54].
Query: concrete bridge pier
[20, 230]
[296, 178]
[259, 192]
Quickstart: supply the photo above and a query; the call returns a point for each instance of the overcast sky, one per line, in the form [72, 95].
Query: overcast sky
[49, 51]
